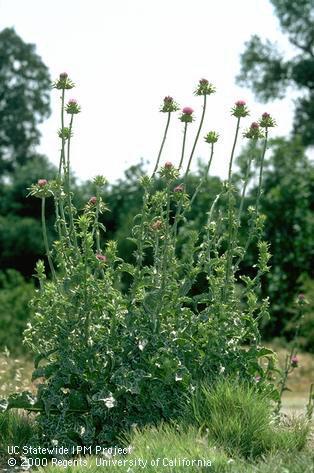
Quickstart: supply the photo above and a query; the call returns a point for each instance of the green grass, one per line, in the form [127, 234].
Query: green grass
[15, 429]
[229, 425]
[170, 442]
[240, 420]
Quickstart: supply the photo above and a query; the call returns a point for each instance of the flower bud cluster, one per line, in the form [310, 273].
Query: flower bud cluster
[72, 107]
[254, 132]
[156, 225]
[187, 115]
[169, 105]
[240, 109]
[169, 171]
[267, 121]
[204, 87]
[294, 361]
[100, 181]
[65, 133]
[211, 137]
[41, 189]
[63, 83]
[101, 258]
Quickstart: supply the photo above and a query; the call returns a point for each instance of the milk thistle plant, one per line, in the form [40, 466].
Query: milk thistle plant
[107, 357]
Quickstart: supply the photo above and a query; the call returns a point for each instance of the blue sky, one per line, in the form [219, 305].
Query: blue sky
[126, 55]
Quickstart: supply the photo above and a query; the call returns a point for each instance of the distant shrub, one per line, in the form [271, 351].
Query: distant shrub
[15, 295]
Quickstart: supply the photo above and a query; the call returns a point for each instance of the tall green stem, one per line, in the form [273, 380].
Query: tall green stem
[62, 159]
[68, 188]
[162, 144]
[44, 230]
[260, 180]
[183, 146]
[259, 192]
[230, 223]
[205, 177]
[196, 138]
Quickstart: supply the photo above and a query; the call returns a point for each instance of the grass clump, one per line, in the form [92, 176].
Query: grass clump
[240, 419]
[15, 429]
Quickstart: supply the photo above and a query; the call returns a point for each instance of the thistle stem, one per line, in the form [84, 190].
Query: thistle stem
[44, 230]
[230, 225]
[183, 146]
[259, 192]
[196, 138]
[162, 144]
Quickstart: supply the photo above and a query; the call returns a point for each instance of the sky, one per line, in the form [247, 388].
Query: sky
[126, 55]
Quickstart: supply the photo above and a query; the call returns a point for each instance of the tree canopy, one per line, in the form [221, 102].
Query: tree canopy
[269, 73]
[24, 99]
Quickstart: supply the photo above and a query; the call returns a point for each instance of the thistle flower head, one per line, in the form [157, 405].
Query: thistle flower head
[63, 82]
[186, 115]
[204, 87]
[169, 171]
[168, 165]
[93, 200]
[301, 299]
[240, 109]
[187, 110]
[156, 225]
[65, 133]
[179, 188]
[267, 121]
[211, 137]
[41, 189]
[254, 132]
[101, 257]
[72, 107]
[294, 361]
[169, 105]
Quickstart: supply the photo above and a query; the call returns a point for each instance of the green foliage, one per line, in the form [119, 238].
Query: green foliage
[306, 332]
[264, 69]
[238, 417]
[15, 295]
[287, 202]
[110, 355]
[24, 98]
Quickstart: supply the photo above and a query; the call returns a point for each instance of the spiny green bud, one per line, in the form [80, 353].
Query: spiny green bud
[267, 121]
[254, 132]
[169, 171]
[169, 105]
[65, 133]
[145, 181]
[72, 107]
[100, 181]
[240, 109]
[40, 190]
[63, 83]
[211, 137]
[204, 87]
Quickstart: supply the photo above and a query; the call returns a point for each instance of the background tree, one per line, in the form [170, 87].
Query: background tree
[287, 201]
[24, 99]
[268, 73]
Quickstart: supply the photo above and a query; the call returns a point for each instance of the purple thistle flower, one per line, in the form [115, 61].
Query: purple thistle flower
[101, 257]
[187, 110]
